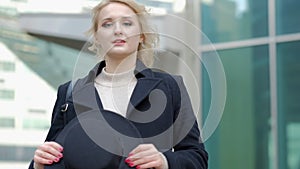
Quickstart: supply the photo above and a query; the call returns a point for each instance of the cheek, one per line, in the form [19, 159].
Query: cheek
[101, 35]
[134, 35]
[134, 32]
[134, 40]
[102, 38]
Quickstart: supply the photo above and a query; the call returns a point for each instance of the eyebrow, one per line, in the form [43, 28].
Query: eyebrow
[121, 18]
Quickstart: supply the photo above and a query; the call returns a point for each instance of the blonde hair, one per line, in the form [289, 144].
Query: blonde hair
[150, 37]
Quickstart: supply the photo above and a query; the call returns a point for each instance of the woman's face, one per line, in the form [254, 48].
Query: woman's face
[119, 32]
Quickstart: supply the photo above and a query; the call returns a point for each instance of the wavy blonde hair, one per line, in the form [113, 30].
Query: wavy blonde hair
[150, 37]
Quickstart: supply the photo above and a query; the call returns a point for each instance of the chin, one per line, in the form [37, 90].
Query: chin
[120, 53]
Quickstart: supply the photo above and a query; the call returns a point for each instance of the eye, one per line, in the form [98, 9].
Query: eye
[107, 24]
[127, 23]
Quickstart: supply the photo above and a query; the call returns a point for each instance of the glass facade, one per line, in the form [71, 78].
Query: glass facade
[242, 138]
[287, 16]
[288, 63]
[259, 50]
[230, 20]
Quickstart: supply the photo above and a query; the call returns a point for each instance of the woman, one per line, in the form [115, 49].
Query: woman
[141, 103]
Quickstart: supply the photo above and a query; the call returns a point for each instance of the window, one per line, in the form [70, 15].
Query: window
[287, 16]
[229, 20]
[38, 111]
[35, 123]
[288, 63]
[7, 94]
[244, 130]
[7, 122]
[16, 153]
[7, 66]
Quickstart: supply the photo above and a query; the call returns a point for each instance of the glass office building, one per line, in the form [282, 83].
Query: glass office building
[257, 41]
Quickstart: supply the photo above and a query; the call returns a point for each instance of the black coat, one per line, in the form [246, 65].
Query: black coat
[159, 112]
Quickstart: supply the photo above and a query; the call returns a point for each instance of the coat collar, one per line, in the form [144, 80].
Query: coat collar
[85, 95]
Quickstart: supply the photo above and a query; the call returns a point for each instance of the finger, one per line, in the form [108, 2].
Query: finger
[145, 159]
[40, 160]
[55, 145]
[51, 148]
[152, 158]
[44, 154]
[152, 164]
[143, 154]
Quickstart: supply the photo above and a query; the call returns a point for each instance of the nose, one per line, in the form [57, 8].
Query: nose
[118, 29]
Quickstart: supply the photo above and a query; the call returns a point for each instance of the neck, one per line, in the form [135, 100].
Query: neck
[115, 65]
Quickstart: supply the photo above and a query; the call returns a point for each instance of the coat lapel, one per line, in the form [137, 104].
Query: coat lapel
[146, 82]
[141, 91]
[85, 98]
[85, 95]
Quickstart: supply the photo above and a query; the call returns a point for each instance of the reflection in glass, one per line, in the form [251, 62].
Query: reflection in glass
[243, 136]
[287, 16]
[229, 20]
[288, 63]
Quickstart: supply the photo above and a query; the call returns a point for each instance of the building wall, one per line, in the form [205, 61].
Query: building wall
[25, 113]
[256, 41]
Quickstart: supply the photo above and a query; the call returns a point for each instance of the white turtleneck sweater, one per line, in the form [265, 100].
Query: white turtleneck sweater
[115, 90]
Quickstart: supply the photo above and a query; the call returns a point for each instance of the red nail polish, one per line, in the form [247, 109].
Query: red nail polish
[127, 160]
[138, 167]
[131, 164]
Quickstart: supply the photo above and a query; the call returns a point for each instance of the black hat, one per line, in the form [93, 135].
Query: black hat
[96, 140]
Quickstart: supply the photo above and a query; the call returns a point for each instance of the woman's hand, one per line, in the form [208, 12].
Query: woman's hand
[47, 153]
[146, 156]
